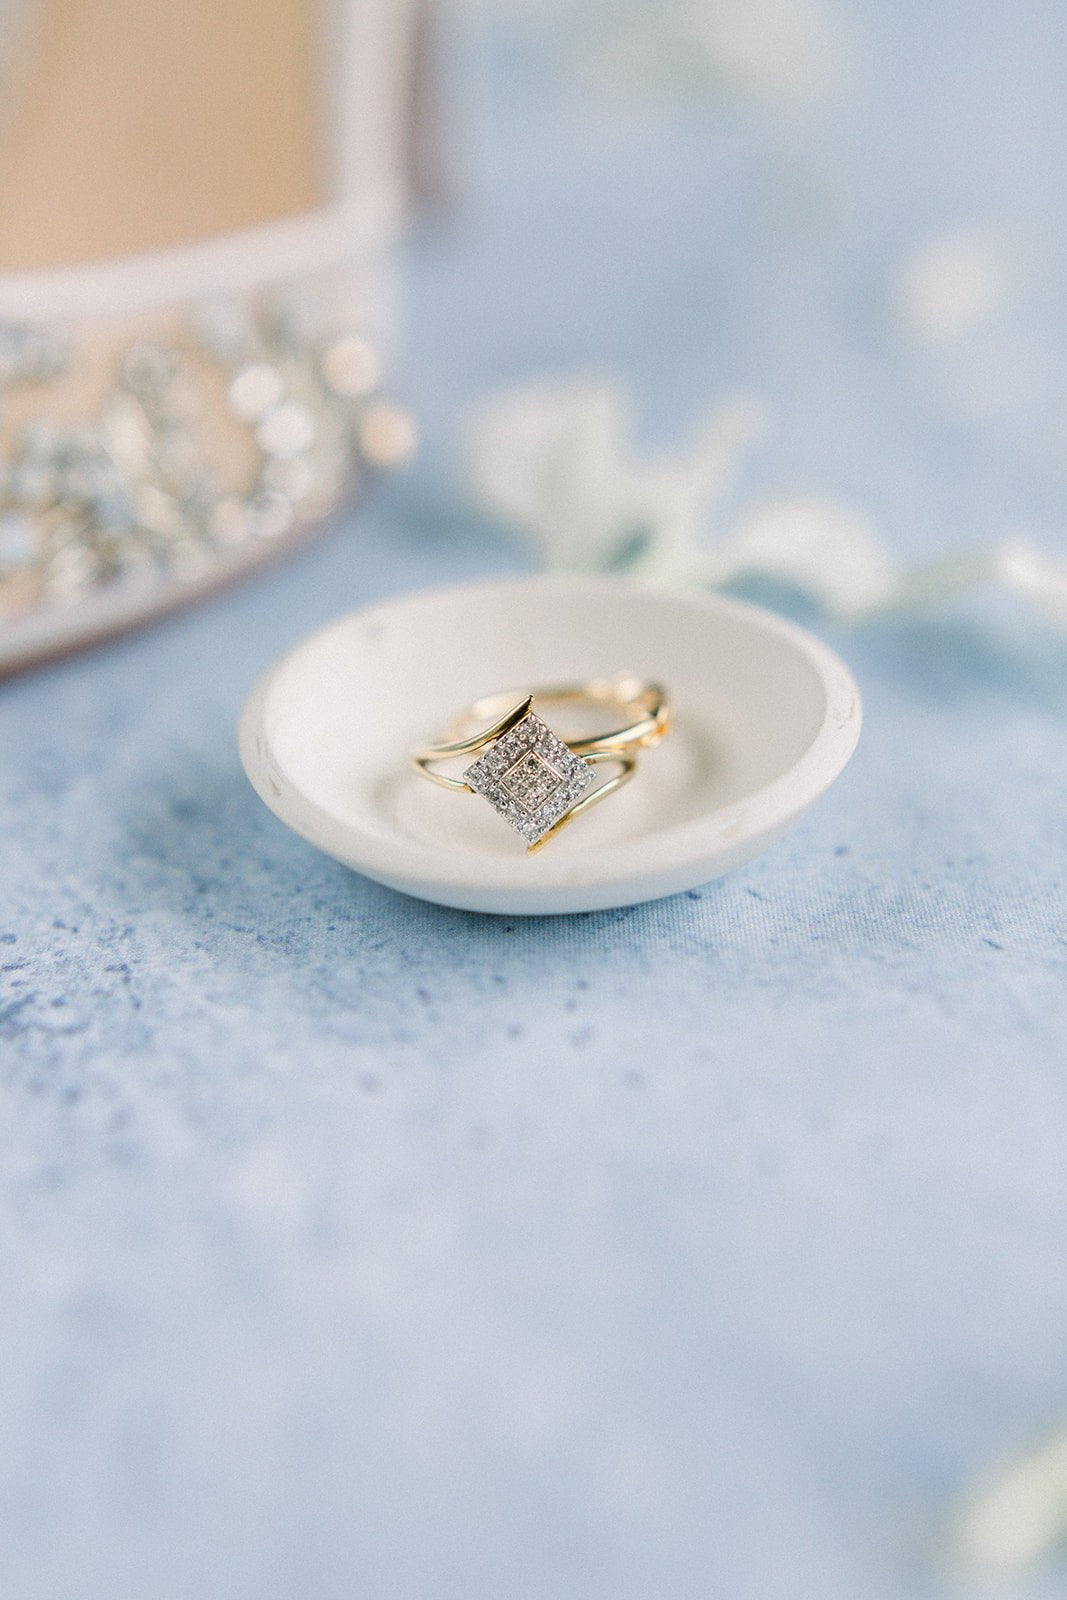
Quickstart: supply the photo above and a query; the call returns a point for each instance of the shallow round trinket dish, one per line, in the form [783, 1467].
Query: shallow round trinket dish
[765, 718]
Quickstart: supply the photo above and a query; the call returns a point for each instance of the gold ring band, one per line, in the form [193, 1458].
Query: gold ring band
[624, 692]
[536, 780]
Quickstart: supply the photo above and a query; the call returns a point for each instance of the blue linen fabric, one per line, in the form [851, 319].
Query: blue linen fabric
[354, 1247]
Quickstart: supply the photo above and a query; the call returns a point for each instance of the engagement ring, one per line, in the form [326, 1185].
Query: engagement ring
[536, 780]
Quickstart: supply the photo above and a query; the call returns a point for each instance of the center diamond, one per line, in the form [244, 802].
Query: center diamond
[532, 778]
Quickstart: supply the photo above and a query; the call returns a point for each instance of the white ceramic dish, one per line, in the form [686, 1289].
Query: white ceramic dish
[765, 719]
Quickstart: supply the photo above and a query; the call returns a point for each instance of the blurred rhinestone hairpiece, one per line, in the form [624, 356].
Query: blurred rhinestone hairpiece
[242, 427]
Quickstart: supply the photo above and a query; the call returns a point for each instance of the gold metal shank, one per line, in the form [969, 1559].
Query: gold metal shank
[422, 759]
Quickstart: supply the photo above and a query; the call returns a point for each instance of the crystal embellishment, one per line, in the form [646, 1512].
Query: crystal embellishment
[532, 778]
[140, 491]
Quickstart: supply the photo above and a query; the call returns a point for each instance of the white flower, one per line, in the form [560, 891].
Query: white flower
[1016, 1519]
[825, 550]
[952, 283]
[555, 460]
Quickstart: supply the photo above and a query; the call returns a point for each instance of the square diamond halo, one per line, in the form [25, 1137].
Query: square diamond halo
[531, 777]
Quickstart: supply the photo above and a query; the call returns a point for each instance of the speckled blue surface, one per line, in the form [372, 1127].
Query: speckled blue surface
[350, 1247]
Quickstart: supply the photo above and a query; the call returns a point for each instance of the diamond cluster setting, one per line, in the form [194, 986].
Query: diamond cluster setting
[531, 777]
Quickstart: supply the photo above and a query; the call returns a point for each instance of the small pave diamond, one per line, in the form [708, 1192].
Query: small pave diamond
[531, 777]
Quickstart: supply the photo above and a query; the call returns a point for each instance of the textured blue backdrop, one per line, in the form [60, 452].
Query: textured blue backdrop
[352, 1247]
